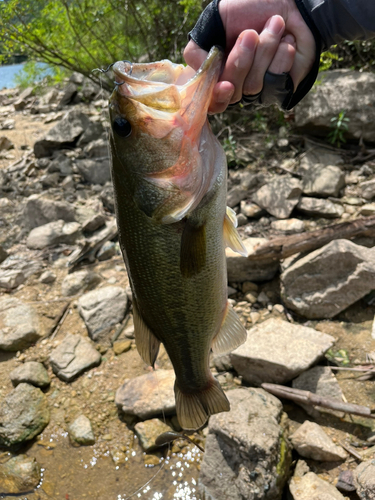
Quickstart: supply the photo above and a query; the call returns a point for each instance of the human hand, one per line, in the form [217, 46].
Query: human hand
[284, 44]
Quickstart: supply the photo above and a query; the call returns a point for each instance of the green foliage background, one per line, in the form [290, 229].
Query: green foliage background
[81, 35]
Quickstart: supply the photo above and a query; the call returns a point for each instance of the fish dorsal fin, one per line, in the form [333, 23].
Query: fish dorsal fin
[231, 237]
[146, 342]
[231, 334]
[193, 249]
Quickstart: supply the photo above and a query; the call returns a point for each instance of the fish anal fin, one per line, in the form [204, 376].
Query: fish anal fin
[193, 249]
[231, 237]
[193, 409]
[231, 334]
[146, 342]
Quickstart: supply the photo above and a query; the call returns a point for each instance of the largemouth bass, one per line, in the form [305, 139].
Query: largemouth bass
[169, 173]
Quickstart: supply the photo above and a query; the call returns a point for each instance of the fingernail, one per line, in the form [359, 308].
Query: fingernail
[275, 25]
[224, 97]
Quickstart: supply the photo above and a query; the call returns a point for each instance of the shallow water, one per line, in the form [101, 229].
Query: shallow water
[9, 72]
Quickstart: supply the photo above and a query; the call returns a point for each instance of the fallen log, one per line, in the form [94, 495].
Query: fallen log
[282, 247]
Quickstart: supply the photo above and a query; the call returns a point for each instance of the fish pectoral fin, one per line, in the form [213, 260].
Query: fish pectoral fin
[193, 249]
[146, 342]
[231, 334]
[193, 409]
[231, 237]
[232, 216]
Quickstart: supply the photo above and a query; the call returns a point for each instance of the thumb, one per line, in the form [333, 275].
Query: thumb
[194, 55]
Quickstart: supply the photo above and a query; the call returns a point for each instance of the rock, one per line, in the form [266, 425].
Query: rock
[20, 262]
[80, 431]
[5, 143]
[107, 251]
[340, 273]
[64, 134]
[97, 149]
[32, 373]
[73, 356]
[322, 180]
[70, 92]
[251, 209]
[94, 171]
[24, 414]
[279, 196]
[11, 278]
[62, 165]
[364, 477]
[346, 482]
[90, 90]
[277, 351]
[40, 210]
[102, 308]
[321, 381]
[93, 132]
[311, 487]
[246, 455]
[3, 254]
[8, 124]
[19, 474]
[242, 269]
[53, 233]
[235, 195]
[148, 431]
[79, 282]
[148, 395]
[107, 197]
[47, 277]
[366, 210]
[311, 441]
[314, 207]
[368, 189]
[19, 325]
[121, 346]
[93, 223]
[288, 226]
[23, 98]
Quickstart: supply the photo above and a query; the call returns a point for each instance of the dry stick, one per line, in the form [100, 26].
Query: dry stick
[308, 398]
[350, 450]
[284, 246]
[371, 368]
[64, 314]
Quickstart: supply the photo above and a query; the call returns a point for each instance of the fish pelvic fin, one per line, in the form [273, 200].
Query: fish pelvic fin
[231, 237]
[194, 409]
[193, 249]
[146, 342]
[231, 334]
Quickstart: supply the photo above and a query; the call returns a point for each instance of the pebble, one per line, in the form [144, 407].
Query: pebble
[80, 431]
[121, 346]
[20, 474]
[148, 431]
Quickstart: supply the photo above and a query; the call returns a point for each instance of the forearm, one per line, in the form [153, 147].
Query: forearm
[338, 20]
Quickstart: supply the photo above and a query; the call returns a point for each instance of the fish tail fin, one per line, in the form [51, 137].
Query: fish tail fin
[193, 409]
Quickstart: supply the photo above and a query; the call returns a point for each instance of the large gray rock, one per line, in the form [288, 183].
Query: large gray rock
[315, 207]
[279, 196]
[102, 308]
[311, 487]
[277, 351]
[19, 325]
[246, 455]
[24, 414]
[94, 171]
[53, 233]
[148, 395]
[64, 134]
[19, 474]
[337, 91]
[321, 180]
[365, 480]
[32, 373]
[80, 431]
[73, 356]
[312, 442]
[94, 131]
[79, 282]
[39, 211]
[242, 269]
[328, 280]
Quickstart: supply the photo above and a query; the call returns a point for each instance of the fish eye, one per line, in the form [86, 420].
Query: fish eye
[122, 127]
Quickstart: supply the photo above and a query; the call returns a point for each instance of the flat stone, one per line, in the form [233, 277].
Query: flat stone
[79, 282]
[73, 356]
[80, 431]
[368, 189]
[251, 210]
[242, 269]
[40, 210]
[19, 474]
[102, 308]
[93, 223]
[24, 414]
[311, 441]
[328, 280]
[47, 277]
[53, 233]
[148, 431]
[32, 373]
[19, 325]
[94, 171]
[148, 395]
[367, 209]
[365, 480]
[288, 226]
[323, 180]
[11, 278]
[236, 195]
[346, 481]
[321, 381]
[121, 346]
[315, 207]
[246, 455]
[311, 487]
[277, 351]
[279, 196]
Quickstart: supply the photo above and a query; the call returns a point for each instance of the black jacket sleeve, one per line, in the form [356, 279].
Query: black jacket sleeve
[338, 20]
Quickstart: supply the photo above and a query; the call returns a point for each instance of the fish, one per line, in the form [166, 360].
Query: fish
[169, 174]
